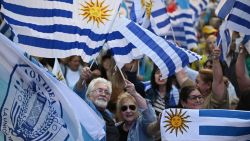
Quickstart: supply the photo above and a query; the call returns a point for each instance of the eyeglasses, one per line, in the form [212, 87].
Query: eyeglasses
[125, 108]
[193, 98]
[100, 91]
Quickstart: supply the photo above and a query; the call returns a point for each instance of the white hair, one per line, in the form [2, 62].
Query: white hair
[92, 84]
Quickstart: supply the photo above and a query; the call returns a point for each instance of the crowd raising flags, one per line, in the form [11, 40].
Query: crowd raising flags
[36, 106]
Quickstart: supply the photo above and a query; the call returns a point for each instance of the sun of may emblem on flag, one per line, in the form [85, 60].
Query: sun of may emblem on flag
[149, 5]
[176, 121]
[96, 11]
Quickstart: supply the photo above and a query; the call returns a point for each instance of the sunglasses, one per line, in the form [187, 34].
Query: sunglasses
[125, 108]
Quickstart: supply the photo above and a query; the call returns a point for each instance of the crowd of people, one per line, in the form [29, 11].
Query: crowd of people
[132, 107]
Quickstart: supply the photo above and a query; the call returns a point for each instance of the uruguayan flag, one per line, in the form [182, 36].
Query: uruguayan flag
[198, 6]
[224, 39]
[185, 18]
[239, 18]
[205, 125]
[151, 14]
[167, 56]
[61, 28]
[36, 106]
[159, 19]
[239, 15]
[178, 34]
[137, 11]
[224, 8]
[122, 50]
[87, 24]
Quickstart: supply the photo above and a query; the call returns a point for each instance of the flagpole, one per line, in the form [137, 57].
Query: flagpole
[123, 77]
[219, 43]
[92, 63]
[172, 29]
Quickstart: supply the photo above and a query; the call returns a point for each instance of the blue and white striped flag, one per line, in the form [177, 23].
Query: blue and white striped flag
[83, 32]
[185, 17]
[137, 11]
[198, 6]
[167, 56]
[159, 19]
[179, 35]
[224, 39]
[61, 28]
[205, 125]
[122, 50]
[239, 15]
[224, 8]
[239, 18]
[36, 106]
[151, 15]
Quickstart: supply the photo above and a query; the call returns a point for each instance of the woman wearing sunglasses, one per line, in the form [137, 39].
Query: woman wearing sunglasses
[135, 114]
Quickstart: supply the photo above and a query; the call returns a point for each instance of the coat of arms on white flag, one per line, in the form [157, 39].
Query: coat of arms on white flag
[36, 106]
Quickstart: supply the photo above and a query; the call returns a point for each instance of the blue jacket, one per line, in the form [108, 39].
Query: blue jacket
[138, 131]
[82, 94]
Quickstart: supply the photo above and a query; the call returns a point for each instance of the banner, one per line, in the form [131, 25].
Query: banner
[36, 106]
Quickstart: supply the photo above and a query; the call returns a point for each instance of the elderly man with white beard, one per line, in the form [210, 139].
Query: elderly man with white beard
[97, 97]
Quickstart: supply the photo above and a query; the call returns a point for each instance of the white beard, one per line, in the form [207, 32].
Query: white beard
[101, 103]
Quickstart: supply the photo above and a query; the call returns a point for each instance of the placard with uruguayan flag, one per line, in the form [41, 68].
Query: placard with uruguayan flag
[61, 28]
[205, 125]
[36, 106]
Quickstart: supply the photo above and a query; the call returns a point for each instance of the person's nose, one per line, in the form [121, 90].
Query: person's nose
[199, 99]
[102, 93]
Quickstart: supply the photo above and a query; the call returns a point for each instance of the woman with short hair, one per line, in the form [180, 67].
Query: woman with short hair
[135, 114]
